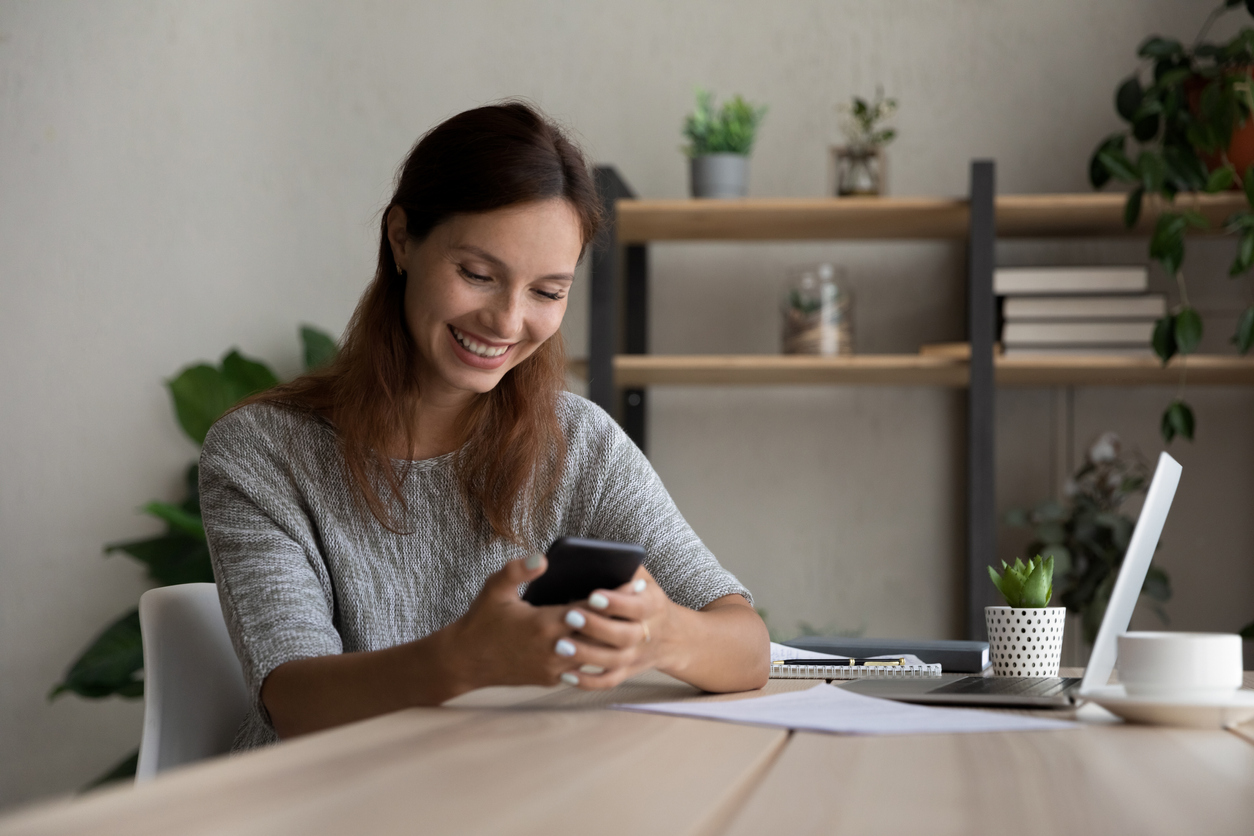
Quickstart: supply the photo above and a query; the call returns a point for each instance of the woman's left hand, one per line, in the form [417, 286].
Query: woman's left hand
[624, 631]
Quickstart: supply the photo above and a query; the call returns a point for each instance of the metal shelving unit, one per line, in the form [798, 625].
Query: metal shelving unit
[620, 369]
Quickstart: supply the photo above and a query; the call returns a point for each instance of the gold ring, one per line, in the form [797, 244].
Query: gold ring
[645, 625]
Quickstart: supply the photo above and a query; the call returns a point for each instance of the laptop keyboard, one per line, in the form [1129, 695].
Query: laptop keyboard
[1050, 686]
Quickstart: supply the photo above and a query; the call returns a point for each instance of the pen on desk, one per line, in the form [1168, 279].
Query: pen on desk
[846, 663]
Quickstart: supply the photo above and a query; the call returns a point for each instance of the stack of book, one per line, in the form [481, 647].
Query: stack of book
[1077, 310]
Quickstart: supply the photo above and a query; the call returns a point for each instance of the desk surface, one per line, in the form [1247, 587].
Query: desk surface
[540, 760]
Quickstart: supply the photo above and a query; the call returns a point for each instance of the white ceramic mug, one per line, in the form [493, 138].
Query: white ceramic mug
[1180, 665]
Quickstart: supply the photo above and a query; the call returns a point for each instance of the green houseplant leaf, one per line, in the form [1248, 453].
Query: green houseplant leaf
[1167, 242]
[244, 377]
[110, 665]
[1164, 338]
[200, 397]
[1038, 586]
[170, 558]
[1099, 174]
[1177, 420]
[1132, 207]
[1128, 98]
[320, 349]
[730, 130]
[178, 519]
[1244, 337]
[1245, 253]
[1221, 179]
[1027, 586]
[121, 771]
[1157, 47]
[1188, 331]
[202, 393]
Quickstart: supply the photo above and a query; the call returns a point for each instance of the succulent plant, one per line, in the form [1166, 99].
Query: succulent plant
[1027, 586]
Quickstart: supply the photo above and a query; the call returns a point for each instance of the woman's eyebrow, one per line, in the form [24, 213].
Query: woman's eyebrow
[484, 254]
[491, 259]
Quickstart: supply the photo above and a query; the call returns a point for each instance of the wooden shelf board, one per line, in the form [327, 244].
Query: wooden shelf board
[768, 219]
[1080, 370]
[1097, 214]
[892, 369]
[637, 370]
[765, 219]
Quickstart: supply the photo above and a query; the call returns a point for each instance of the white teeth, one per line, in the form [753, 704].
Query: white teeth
[475, 348]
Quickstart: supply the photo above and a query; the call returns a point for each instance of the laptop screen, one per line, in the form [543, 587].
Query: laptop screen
[1149, 527]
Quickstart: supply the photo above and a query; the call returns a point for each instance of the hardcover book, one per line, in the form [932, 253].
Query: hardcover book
[1149, 306]
[1018, 281]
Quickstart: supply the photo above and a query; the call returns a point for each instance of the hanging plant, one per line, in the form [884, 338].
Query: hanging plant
[1189, 130]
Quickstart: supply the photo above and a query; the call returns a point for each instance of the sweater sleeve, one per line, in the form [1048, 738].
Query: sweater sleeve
[626, 501]
[276, 593]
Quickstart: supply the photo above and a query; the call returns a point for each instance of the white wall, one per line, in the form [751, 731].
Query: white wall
[178, 178]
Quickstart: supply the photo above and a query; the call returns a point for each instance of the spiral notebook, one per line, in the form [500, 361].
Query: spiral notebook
[911, 666]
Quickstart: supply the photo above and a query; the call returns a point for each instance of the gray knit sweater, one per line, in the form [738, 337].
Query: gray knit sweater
[303, 572]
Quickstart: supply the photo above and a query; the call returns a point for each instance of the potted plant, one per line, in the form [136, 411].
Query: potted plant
[113, 664]
[1025, 636]
[1088, 534]
[1192, 127]
[719, 143]
[860, 164]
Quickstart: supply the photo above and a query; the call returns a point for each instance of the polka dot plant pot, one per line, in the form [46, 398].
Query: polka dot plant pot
[1025, 642]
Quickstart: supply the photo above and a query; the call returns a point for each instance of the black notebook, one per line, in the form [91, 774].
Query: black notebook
[952, 656]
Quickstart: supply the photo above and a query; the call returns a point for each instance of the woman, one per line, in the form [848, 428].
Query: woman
[370, 523]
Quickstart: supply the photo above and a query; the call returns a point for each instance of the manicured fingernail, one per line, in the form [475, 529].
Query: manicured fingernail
[570, 679]
[564, 648]
[575, 619]
[592, 670]
[598, 601]
[639, 585]
[533, 561]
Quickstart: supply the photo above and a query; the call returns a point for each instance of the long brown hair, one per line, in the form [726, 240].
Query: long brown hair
[512, 446]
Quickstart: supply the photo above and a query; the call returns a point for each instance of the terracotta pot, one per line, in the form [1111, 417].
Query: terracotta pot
[1240, 148]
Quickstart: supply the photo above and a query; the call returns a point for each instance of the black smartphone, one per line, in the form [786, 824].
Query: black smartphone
[578, 566]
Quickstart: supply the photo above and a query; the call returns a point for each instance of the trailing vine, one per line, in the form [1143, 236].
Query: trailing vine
[1182, 124]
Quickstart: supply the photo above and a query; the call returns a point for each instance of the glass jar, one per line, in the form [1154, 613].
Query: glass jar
[859, 172]
[817, 310]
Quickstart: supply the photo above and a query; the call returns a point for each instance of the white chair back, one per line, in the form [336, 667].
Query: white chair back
[194, 694]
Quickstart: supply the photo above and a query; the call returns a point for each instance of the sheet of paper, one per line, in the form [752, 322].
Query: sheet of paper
[827, 708]
[780, 652]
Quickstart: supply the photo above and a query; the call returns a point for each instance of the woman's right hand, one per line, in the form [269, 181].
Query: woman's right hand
[503, 640]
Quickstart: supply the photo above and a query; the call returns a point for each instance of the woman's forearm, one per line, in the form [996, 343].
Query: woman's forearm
[723, 647]
[307, 695]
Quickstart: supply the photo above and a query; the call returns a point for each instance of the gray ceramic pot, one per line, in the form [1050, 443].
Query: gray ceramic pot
[720, 175]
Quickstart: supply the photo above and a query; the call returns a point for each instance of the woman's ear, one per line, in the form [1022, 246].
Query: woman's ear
[398, 236]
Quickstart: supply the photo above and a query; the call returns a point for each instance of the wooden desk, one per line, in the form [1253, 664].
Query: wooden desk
[537, 760]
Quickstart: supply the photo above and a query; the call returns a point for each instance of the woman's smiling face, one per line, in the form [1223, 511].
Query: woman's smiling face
[485, 290]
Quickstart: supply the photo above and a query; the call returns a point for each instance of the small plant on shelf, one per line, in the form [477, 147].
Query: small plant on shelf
[1025, 586]
[719, 143]
[860, 164]
[1188, 112]
[862, 122]
[730, 129]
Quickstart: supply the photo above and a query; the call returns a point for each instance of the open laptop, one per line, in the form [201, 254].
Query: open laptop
[1057, 692]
